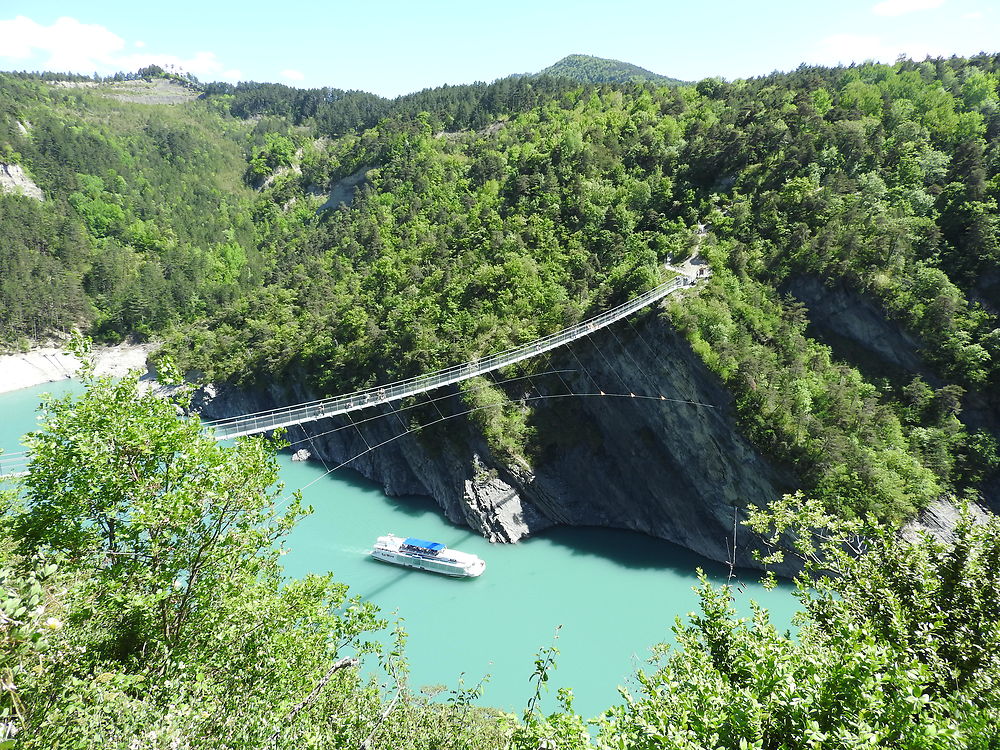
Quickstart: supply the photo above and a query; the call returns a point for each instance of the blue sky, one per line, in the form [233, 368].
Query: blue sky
[392, 47]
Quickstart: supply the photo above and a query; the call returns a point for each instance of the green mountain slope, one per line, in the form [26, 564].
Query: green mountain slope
[590, 69]
[875, 177]
[143, 594]
[145, 213]
[879, 178]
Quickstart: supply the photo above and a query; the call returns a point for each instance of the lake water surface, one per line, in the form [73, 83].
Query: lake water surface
[615, 593]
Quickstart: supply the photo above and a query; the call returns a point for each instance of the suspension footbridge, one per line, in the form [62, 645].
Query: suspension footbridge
[266, 421]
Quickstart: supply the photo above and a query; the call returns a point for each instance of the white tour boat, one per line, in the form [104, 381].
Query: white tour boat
[432, 556]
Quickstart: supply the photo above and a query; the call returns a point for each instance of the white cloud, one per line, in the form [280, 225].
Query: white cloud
[293, 75]
[843, 49]
[139, 43]
[71, 46]
[902, 7]
[67, 43]
[974, 15]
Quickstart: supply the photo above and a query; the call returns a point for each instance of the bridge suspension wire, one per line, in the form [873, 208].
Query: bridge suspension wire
[642, 338]
[312, 446]
[584, 368]
[418, 405]
[264, 421]
[610, 367]
[18, 468]
[358, 429]
[558, 373]
[465, 412]
[651, 381]
[398, 417]
[434, 402]
[531, 380]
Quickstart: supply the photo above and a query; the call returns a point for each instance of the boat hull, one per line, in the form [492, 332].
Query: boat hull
[447, 562]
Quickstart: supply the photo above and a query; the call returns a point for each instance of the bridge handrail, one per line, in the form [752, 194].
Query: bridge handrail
[284, 416]
[13, 464]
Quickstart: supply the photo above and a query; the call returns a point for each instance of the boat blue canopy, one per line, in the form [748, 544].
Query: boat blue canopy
[423, 544]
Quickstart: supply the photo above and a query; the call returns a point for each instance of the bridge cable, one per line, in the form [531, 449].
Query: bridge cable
[611, 367]
[548, 363]
[561, 380]
[455, 416]
[652, 351]
[434, 403]
[405, 408]
[492, 361]
[313, 446]
[398, 417]
[532, 385]
[584, 368]
[639, 367]
[348, 415]
[643, 338]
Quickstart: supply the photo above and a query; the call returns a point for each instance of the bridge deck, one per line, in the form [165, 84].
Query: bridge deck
[251, 424]
[265, 421]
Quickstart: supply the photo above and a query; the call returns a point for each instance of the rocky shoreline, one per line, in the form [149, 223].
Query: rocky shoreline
[50, 364]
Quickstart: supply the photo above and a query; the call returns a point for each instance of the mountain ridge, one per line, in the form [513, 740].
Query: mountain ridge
[592, 69]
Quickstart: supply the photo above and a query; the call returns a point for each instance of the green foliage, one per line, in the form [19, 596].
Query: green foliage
[738, 684]
[27, 620]
[501, 422]
[335, 112]
[936, 602]
[489, 215]
[277, 151]
[37, 295]
[168, 621]
[818, 415]
[456, 245]
[139, 198]
[898, 645]
[479, 217]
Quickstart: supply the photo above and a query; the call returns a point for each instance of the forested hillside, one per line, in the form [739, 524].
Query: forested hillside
[880, 178]
[145, 222]
[510, 210]
[334, 112]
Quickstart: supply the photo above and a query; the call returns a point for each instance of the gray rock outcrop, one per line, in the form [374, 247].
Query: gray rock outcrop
[939, 519]
[342, 191]
[14, 180]
[839, 315]
[859, 331]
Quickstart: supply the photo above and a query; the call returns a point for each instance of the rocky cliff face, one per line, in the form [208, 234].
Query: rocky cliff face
[674, 467]
[858, 330]
[669, 461]
[14, 180]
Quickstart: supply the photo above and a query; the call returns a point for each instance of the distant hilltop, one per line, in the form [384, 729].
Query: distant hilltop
[590, 69]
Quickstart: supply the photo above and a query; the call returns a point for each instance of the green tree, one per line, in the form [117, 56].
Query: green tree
[898, 646]
[176, 616]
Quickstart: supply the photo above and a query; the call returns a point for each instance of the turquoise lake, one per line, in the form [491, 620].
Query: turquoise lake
[615, 593]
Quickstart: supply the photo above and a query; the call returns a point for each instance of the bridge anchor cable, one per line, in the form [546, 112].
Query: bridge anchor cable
[266, 421]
